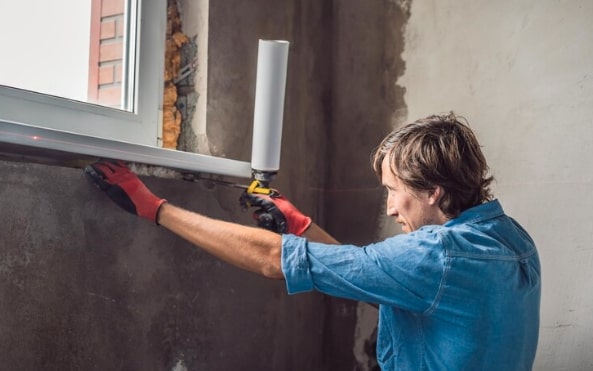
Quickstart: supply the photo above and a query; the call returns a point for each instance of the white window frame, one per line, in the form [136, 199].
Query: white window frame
[44, 121]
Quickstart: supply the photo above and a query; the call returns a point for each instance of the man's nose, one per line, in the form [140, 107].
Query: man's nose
[390, 209]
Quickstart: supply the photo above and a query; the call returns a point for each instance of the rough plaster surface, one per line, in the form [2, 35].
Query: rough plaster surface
[119, 293]
[86, 286]
[341, 100]
[194, 18]
[521, 73]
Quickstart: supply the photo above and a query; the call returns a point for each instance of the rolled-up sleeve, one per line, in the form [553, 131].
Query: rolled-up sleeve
[295, 264]
[401, 271]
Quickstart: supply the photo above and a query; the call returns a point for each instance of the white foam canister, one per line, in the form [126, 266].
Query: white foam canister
[272, 60]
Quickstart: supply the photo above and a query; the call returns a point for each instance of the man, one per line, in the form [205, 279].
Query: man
[459, 290]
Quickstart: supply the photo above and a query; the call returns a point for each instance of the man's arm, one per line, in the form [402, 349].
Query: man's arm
[316, 234]
[253, 249]
[275, 213]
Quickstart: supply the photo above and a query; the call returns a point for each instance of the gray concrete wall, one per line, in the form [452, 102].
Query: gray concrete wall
[340, 102]
[234, 29]
[86, 286]
[522, 74]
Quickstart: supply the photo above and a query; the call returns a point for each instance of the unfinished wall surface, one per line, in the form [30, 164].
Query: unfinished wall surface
[340, 101]
[367, 40]
[234, 30]
[87, 286]
[521, 73]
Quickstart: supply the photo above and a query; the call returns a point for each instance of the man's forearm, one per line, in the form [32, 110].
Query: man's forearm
[253, 249]
[316, 234]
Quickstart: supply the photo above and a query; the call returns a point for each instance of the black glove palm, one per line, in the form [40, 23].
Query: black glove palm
[267, 216]
[275, 213]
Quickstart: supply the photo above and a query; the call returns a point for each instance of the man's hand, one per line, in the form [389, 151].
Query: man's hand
[125, 188]
[276, 213]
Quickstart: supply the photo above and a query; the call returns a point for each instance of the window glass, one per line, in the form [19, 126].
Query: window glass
[82, 50]
[86, 76]
[81, 66]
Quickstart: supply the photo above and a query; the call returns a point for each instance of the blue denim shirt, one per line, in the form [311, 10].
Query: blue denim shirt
[460, 296]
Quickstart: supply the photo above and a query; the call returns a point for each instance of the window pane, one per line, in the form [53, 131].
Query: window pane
[75, 49]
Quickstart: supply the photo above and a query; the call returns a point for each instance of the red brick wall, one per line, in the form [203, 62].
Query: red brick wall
[106, 61]
[106, 52]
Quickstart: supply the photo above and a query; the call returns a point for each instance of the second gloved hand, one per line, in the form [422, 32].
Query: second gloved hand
[276, 213]
[125, 188]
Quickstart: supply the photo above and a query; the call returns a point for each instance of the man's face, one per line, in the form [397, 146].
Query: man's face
[411, 209]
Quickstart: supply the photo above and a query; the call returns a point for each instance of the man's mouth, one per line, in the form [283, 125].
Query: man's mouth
[402, 224]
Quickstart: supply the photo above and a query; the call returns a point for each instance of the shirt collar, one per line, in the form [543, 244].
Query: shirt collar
[485, 211]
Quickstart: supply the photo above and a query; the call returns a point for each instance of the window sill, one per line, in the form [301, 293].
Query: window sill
[18, 140]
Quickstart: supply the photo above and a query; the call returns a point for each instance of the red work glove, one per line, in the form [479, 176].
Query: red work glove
[276, 213]
[124, 188]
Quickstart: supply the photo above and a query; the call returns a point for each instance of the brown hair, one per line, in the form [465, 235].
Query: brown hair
[438, 150]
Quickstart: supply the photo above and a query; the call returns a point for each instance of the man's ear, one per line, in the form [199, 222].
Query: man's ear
[435, 195]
